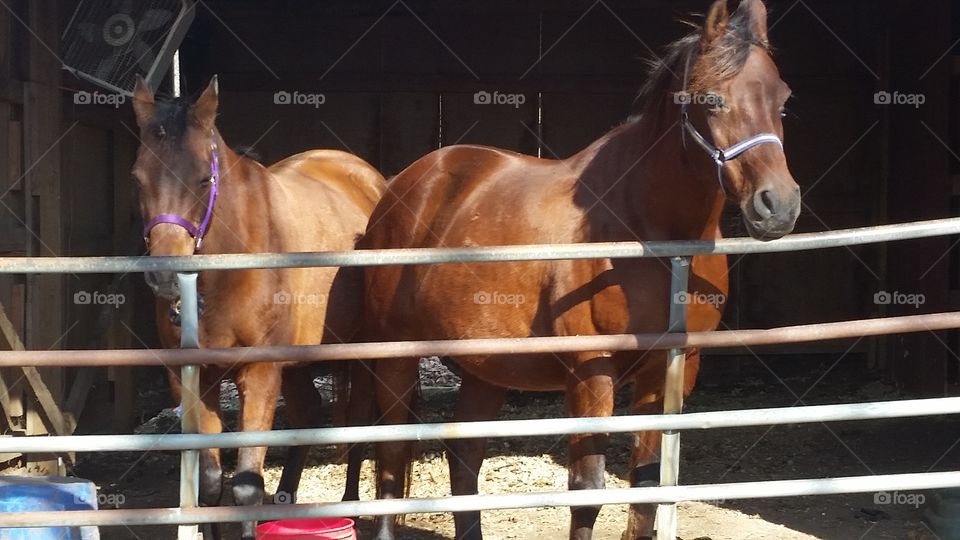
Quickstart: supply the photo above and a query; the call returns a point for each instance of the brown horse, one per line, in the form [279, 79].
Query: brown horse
[196, 195]
[649, 179]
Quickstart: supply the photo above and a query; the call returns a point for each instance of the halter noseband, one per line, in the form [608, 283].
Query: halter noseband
[196, 232]
[720, 156]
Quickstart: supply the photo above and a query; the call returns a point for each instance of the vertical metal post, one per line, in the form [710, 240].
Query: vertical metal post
[673, 395]
[189, 400]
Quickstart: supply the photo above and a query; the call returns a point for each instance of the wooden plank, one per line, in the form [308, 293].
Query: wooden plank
[62, 424]
[14, 153]
[919, 362]
[17, 316]
[46, 296]
[6, 45]
[124, 388]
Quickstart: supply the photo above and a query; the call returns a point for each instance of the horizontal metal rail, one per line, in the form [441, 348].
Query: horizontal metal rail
[381, 257]
[653, 495]
[488, 429]
[464, 347]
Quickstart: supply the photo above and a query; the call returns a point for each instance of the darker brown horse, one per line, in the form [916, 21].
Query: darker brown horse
[196, 195]
[711, 111]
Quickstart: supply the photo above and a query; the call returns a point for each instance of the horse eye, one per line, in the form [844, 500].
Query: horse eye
[206, 181]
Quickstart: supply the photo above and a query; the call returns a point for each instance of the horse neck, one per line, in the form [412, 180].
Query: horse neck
[241, 214]
[655, 189]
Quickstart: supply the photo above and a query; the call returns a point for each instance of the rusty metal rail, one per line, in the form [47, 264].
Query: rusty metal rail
[408, 349]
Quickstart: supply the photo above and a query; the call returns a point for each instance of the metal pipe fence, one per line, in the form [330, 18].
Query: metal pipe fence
[654, 495]
[188, 516]
[396, 349]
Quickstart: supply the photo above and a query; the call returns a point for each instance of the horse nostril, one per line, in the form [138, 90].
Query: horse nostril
[765, 203]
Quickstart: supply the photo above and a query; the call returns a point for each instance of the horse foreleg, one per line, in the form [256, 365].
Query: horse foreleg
[590, 392]
[303, 405]
[477, 401]
[211, 471]
[644, 472]
[396, 384]
[360, 408]
[645, 455]
[259, 387]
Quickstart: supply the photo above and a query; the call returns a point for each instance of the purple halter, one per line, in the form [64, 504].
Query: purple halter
[196, 232]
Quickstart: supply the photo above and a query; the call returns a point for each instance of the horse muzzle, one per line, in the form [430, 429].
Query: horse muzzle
[771, 212]
[163, 284]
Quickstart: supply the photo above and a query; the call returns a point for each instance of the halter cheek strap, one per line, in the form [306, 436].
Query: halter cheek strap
[720, 156]
[197, 232]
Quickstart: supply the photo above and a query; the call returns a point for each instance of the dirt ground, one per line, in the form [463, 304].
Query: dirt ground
[708, 456]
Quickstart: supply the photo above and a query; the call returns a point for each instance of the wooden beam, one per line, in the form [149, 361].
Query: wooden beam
[46, 298]
[62, 424]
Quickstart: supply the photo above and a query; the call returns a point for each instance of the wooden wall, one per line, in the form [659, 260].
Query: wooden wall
[399, 83]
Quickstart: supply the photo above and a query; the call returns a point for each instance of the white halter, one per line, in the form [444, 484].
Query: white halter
[718, 155]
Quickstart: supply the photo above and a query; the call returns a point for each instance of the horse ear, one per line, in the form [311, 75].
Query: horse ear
[204, 111]
[717, 21]
[756, 12]
[143, 104]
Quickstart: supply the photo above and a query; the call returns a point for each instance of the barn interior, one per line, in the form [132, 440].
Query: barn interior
[871, 136]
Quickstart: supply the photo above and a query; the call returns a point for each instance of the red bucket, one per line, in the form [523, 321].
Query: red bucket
[308, 529]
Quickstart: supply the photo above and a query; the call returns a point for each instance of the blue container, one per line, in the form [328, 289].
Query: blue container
[47, 493]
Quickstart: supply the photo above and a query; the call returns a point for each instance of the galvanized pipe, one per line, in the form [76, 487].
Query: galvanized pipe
[190, 402]
[401, 349]
[490, 429]
[382, 257]
[667, 523]
[651, 495]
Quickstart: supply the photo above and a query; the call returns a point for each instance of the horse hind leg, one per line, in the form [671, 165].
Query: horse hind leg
[303, 407]
[259, 387]
[396, 386]
[360, 412]
[477, 401]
